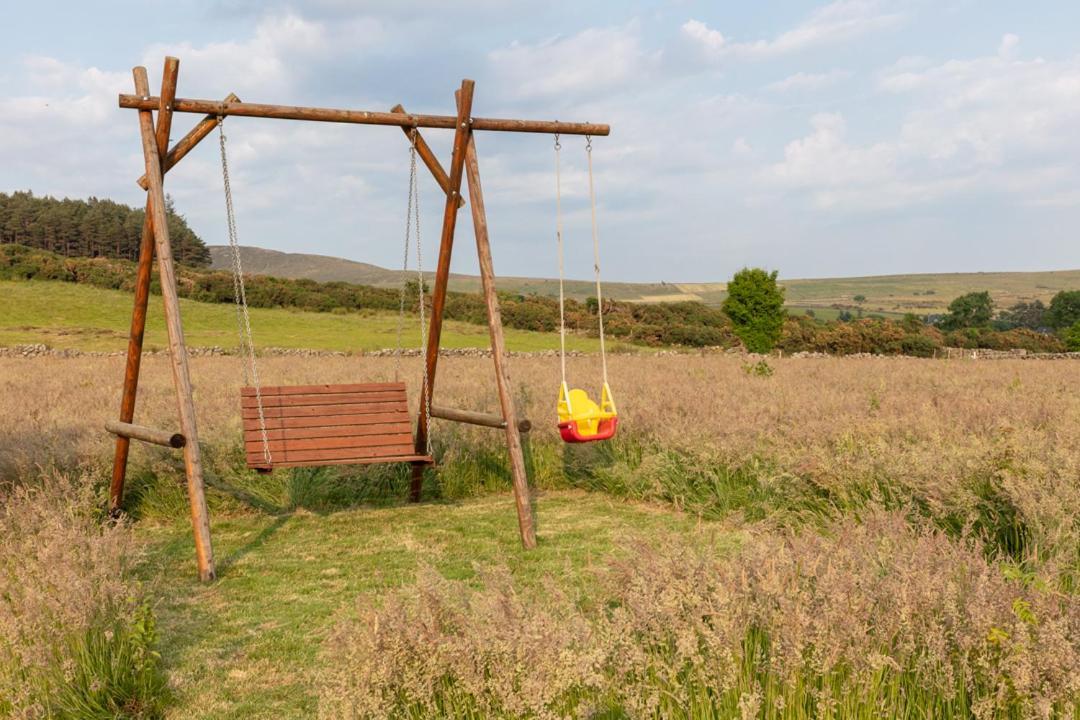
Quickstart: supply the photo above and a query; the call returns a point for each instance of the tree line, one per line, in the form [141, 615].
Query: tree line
[90, 228]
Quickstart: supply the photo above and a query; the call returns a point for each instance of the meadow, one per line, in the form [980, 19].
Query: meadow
[824, 537]
[71, 316]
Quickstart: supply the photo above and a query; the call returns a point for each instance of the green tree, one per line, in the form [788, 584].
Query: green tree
[1072, 337]
[973, 310]
[755, 305]
[1064, 310]
[1030, 315]
[859, 298]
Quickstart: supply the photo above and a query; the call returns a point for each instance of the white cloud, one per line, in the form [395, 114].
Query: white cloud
[712, 42]
[1009, 43]
[264, 64]
[802, 82]
[988, 126]
[594, 60]
[837, 22]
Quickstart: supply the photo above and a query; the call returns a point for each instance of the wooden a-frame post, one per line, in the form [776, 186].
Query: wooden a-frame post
[464, 161]
[159, 158]
[200, 517]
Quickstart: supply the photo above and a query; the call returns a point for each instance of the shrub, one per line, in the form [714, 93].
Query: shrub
[755, 305]
[76, 639]
[1064, 310]
[1072, 338]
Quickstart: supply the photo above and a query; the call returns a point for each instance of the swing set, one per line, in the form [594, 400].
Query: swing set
[363, 423]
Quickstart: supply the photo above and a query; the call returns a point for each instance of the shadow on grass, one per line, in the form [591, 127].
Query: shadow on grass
[227, 562]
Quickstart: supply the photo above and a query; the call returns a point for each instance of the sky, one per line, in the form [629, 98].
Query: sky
[820, 139]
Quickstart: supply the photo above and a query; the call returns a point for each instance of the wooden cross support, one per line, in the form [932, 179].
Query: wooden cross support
[159, 159]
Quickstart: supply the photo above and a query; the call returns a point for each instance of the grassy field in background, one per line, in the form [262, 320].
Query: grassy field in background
[890, 295]
[66, 315]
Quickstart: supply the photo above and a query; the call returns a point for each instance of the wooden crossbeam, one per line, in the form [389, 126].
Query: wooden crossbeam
[362, 117]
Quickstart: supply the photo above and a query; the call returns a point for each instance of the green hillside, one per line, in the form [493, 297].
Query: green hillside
[69, 315]
[886, 294]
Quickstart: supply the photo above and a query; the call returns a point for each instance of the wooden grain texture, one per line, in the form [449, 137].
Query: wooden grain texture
[405, 458]
[164, 438]
[313, 424]
[320, 389]
[187, 143]
[474, 417]
[518, 474]
[428, 156]
[142, 297]
[442, 273]
[373, 418]
[200, 517]
[363, 117]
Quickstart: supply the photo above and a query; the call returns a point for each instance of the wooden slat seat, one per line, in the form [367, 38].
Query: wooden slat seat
[309, 425]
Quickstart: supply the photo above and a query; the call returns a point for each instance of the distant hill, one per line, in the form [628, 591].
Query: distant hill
[886, 294]
[324, 268]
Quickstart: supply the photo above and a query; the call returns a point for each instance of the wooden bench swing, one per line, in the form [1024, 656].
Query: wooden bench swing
[287, 426]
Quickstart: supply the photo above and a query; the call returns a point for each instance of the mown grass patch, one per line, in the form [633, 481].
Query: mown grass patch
[246, 645]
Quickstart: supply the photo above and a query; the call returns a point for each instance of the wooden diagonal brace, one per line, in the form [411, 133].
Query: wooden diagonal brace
[426, 154]
[188, 142]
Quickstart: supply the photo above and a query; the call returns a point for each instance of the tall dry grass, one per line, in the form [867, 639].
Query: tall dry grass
[958, 601]
[866, 621]
[76, 639]
[993, 446]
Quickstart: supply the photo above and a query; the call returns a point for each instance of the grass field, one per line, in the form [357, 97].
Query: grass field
[66, 315]
[843, 538]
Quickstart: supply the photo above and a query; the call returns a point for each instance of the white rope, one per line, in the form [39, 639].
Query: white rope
[243, 317]
[415, 193]
[559, 241]
[412, 225]
[405, 261]
[596, 259]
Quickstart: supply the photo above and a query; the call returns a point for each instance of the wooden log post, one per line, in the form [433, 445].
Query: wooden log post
[518, 473]
[442, 276]
[363, 117]
[473, 417]
[200, 519]
[165, 438]
[142, 297]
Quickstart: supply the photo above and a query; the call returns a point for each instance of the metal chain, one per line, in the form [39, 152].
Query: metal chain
[596, 259]
[243, 317]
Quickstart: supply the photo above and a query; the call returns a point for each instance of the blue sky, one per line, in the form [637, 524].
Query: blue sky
[836, 138]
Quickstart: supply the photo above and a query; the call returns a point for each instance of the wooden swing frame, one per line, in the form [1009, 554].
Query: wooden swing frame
[160, 158]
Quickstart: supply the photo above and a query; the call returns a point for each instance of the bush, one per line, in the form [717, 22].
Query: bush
[755, 305]
[76, 638]
[1072, 338]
